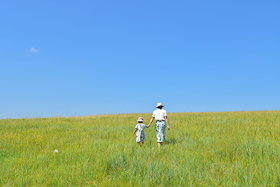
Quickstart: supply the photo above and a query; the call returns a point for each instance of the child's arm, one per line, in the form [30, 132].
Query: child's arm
[134, 131]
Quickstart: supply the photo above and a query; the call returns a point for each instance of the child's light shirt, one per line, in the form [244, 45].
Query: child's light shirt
[140, 135]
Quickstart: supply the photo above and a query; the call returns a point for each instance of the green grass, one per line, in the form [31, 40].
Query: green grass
[202, 149]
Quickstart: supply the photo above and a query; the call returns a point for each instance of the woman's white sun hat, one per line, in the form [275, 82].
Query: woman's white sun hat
[140, 119]
[159, 105]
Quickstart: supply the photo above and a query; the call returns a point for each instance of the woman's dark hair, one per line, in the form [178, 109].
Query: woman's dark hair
[160, 107]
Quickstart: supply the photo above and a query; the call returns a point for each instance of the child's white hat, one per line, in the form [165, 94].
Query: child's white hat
[140, 119]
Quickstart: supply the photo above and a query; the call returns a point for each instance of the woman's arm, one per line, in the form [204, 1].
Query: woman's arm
[151, 122]
[165, 117]
[134, 131]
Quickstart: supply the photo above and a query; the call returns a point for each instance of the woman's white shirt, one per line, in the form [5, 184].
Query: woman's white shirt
[159, 114]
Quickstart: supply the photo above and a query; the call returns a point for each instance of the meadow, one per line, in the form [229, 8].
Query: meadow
[201, 149]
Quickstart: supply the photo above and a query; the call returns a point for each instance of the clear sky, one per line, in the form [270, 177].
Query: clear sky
[88, 57]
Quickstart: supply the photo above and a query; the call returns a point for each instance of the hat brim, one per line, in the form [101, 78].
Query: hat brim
[159, 106]
[140, 120]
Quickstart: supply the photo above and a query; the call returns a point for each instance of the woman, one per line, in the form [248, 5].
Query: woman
[161, 117]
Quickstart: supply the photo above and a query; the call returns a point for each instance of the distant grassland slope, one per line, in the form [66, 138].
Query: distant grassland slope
[201, 149]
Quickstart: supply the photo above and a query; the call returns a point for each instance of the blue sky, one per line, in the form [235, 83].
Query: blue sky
[75, 58]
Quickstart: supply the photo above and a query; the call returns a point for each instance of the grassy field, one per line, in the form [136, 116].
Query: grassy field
[202, 149]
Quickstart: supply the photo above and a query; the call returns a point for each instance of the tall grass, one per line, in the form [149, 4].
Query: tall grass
[201, 149]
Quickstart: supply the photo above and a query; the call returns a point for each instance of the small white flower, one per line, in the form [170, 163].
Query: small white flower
[56, 151]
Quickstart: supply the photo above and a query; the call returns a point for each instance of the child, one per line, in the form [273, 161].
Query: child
[140, 135]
